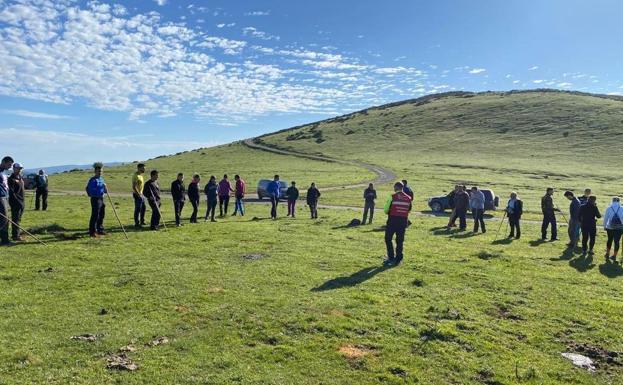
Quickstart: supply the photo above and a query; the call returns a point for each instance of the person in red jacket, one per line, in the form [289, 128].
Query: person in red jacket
[397, 208]
[240, 190]
[224, 190]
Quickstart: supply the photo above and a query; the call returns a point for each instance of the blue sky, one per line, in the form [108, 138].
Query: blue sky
[83, 81]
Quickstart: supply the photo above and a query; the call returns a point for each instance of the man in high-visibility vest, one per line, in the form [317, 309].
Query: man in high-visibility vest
[397, 208]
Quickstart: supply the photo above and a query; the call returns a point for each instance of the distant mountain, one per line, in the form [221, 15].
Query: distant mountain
[68, 167]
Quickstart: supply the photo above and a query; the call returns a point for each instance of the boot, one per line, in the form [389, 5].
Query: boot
[607, 254]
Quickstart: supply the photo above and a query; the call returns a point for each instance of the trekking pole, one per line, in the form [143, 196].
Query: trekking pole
[500, 227]
[22, 229]
[116, 215]
[563, 215]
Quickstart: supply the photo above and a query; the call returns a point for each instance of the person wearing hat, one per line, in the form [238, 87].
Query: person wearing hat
[16, 200]
[41, 191]
[96, 189]
[5, 164]
[397, 208]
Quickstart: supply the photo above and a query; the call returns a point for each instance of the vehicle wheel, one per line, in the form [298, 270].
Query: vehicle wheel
[436, 207]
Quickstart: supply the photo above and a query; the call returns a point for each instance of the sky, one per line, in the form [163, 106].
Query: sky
[84, 81]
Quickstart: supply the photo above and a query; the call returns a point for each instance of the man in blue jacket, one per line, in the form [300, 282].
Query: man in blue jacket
[274, 190]
[96, 188]
[574, 219]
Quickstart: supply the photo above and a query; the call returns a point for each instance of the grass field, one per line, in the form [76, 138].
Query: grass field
[299, 302]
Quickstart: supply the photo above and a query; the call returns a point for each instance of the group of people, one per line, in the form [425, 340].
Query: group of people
[12, 197]
[461, 200]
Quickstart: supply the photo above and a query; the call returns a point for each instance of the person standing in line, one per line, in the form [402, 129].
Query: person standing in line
[211, 191]
[224, 190]
[292, 194]
[461, 205]
[514, 211]
[41, 191]
[239, 194]
[477, 205]
[549, 215]
[313, 194]
[178, 193]
[584, 198]
[152, 194]
[274, 191]
[397, 208]
[407, 190]
[96, 188]
[138, 183]
[452, 203]
[193, 196]
[16, 200]
[574, 219]
[613, 224]
[589, 213]
[369, 196]
[5, 164]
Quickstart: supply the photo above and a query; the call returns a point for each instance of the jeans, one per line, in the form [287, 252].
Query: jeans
[195, 204]
[211, 208]
[574, 231]
[41, 199]
[178, 206]
[589, 232]
[239, 206]
[549, 219]
[513, 221]
[291, 207]
[462, 215]
[223, 200]
[4, 220]
[478, 215]
[98, 212]
[614, 236]
[155, 214]
[16, 216]
[139, 209]
[368, 207]
[274, 201]
[395, 226]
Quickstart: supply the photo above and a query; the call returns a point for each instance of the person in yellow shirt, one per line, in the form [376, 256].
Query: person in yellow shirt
[137, 192]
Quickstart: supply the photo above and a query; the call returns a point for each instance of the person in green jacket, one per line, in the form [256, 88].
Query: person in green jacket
[292, 193]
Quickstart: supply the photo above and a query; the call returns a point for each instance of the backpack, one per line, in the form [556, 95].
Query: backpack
[615, 222]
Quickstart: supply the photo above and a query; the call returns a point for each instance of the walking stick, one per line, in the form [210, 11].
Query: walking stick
[500, 227]
[22, 229]
[563, 215]
[116, 215]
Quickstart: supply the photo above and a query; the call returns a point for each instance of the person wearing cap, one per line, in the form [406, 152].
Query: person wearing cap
[41, 191]
[96, 188]
[16, 200]
[574, 219]
[397, 208]
[5, 164]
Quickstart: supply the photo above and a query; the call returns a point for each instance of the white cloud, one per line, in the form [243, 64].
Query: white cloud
[161, 2]
[565, 85]
[35, 114]
[516, 81]
[477, 70]
[223, 25]
[257, 13]
[538, 81]
[229, 47]
[252, 31]
[534, 68]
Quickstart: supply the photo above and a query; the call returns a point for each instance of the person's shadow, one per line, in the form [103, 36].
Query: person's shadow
[351, 280]
[583, 263]
[610, 269]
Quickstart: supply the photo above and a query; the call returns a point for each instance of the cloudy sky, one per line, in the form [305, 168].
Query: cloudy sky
[86, 80]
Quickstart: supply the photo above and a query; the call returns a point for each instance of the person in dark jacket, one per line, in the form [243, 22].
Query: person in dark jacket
[312, 200]
[397, 208]
[549, 215]
[407, 189]
[193, 196]
[584, 198]
[574, 219]
[7, 163]
[369, 195]
[589, 213]
[16, 200]
[452, 203]
[514, 211]
[151, 191]
[211, 192]
[178, 193]
[274, 191]
[96, 189]
[461, 205]
[41, 191]
[224, 191]
[292, 194]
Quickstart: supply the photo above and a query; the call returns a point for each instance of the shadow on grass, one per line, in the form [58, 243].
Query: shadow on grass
[379, 229]
[611, 270]
[351, 280]
[583, 263]
[463, 234]
[537, 242]
[503, 241]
